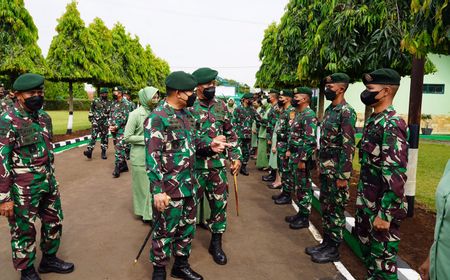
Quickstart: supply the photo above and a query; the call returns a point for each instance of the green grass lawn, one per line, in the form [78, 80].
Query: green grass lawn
[433, 158]
[59, 118]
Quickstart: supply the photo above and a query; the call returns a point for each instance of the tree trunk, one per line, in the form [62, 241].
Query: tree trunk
[414, 113]
[321, 102]
[70, 120]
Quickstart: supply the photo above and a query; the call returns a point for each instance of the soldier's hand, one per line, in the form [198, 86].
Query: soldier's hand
[219, 147]
[269, 142]
[380, 224]
[301, 165]
[274, 150]
[424, 270]
[161, 201]
[235, 167]
[112, 128]
[288, 153]
[7, 209]
[220, 138]
[341, 183]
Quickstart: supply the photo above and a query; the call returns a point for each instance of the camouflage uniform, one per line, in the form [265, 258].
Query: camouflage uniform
[286, 118]
[26, 155]
[98, 116]
[302, 145]
[214, 119]
[337, 147]
[243, 118]
[171, 143]
[6, 103]
[118, 117]
[383, 152]
[132, 107]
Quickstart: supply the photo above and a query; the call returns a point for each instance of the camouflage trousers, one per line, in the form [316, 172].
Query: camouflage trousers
[41, 201]
[215, 188]
[246, 145]
[379, 248]
[174, 230]
[120, 148]
[333, 201]
[285, 173]
[99, 131]
[302, 194]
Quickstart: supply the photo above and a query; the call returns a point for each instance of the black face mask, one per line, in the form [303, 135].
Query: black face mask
[34, 103]
[280, 103]
[295, 103]
[191, 100]
[368, 97]
[330, 94]
[115, 97]
[104, 97]
[268, 99]
[209, 93]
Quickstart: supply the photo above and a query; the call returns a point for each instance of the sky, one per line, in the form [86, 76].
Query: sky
[188, 34]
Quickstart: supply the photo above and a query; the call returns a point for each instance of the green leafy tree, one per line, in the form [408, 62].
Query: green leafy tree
[19, 52]
[159, 69]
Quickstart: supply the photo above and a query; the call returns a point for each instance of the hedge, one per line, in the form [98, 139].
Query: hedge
[63, 105]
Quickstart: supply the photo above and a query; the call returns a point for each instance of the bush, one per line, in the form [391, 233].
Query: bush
[63, 105]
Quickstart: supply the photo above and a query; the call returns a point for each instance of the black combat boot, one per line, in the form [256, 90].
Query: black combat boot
[116, 172]
[104, 154]
[182, 270]
[159, 273]
[285, 198]
[277, 196]
[244, 170]
[88, 153]
[124, 166]
[293, 218]
[316, 249]
[215, 249]
[29, 274]
[270, 177]
[50, 263]
[328, 254]
[301, 222]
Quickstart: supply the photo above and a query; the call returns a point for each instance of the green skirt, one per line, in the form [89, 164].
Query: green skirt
[273, 157]
[254, 140]
[262, 161]
[142, 203]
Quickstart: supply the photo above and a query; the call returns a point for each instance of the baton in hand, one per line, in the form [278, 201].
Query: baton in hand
[236, 196]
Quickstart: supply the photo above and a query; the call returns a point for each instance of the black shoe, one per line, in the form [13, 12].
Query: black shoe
[203, 225]
[215, 249]
[104, 154]
[316, 249]
[285, 198]
[244, 170]
[50, 263]
[182, 270]
[277, 196]
[293, 218]
[116, 172]
[29, 274]
[270, 177]
[88, 154]
[124, 166]
[159, 273]
[328, 254]
[302, 222]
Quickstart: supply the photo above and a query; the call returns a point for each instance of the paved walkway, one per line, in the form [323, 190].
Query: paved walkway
[102, 237]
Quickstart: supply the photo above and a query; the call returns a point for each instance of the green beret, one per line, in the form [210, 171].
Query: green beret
[118, 88]
[180, 80]
[274, 91]
[205, 75]
[247, 96]
[303, 90]
[28, 81]
[287, 93]
[103, 90]
[384, 76]
[337, 78]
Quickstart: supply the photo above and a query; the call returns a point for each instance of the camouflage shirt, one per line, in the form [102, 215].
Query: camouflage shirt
[214, 119]
[337, 141]
[272, 118]
[26, 151]
[284, 128]
[383, 153]
[302, 139]
[243, 118]
[119, 115]
[5, 103]
[99, 111]
[171, 141]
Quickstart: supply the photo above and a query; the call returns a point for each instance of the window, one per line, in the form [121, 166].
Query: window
[433, 88]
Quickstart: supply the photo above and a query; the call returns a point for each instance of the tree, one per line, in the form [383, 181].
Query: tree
[74, 55]
[159, 69]
[19, 52]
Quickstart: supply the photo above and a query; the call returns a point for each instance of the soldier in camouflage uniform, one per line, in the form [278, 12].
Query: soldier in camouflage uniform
[6, 99]
[127, 97]
[243, 118]
[272, 118]
[284, 127]
[28, 187]
[117, 120]
[383, 154]
[302, 147]
[337, 147]
[171, 141]
[214, 120]
[98, 116]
